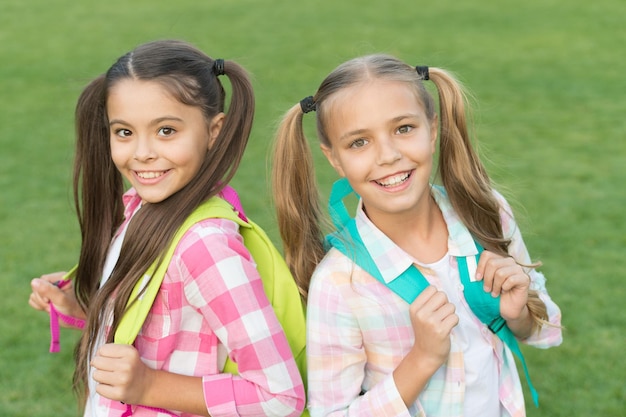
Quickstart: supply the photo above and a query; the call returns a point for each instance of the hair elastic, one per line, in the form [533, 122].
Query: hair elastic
[218, 67]
[422, 71]
[307, 104]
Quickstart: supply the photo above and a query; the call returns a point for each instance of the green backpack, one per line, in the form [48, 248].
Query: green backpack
[278, 283]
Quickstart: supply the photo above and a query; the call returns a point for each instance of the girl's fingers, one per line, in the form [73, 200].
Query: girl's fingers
[502, 275]
[450, 321]
[517, 280]
[486, 268]
[424, 297]
[495, 270]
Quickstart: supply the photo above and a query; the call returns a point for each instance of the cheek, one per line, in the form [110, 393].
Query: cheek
[423, 148]
[117, 154]
[121, 156]
[190, 159]
[338, 166]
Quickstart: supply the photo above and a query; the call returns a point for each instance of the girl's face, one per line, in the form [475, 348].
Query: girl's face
[382, 141]
[157, 142]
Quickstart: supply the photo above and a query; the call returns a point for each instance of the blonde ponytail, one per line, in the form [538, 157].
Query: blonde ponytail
[297, 200]
[465, 179]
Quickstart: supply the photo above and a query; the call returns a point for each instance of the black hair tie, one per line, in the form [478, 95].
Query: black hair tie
[218, 67]
[422, 71]
[307, 104]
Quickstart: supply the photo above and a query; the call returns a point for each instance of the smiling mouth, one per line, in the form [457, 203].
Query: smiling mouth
[393, 180]
[148, 175]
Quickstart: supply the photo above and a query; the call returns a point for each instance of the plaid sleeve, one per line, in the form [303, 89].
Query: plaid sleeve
[548, 336]
[336, 357]
[223, 284]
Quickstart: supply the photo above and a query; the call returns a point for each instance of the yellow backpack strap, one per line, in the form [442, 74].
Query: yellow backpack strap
[144, 293]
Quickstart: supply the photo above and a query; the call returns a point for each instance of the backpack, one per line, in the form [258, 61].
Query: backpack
[412, 282]
[278, 283]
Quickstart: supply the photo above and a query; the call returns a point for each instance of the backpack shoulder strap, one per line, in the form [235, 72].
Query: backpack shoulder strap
[487, 309]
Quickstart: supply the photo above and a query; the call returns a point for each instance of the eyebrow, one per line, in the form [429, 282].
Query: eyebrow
[352, 133]
[153, 122]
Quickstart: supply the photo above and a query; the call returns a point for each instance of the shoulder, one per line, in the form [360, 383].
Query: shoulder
[509, 226]
[505, 207]
[441, 196]
[211, 240]
[335, 266]
[337, 277]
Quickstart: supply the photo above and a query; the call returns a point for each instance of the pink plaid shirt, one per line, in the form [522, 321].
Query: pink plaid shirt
[358, 330]
[211, 305]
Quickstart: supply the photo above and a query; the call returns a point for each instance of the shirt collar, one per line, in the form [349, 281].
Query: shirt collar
[132, 203]
[391, 260]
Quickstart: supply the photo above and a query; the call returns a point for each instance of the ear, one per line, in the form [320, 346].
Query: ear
[215, 127]
[332, 159]
[434, 131]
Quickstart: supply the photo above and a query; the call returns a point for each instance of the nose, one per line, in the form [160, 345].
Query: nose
[144, 149]
[388, 151]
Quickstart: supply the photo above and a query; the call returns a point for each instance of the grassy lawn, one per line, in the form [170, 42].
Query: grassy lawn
[549, 81]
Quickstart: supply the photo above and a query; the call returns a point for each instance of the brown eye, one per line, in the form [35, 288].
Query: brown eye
[166, 131]
[123, 133]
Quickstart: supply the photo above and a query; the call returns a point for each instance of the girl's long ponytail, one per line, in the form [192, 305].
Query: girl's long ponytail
[297, 200]
[466, 181]
[237, 124]
[462, 173]
[97, 184]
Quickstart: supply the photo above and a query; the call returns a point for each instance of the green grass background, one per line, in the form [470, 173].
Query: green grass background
[549, 77]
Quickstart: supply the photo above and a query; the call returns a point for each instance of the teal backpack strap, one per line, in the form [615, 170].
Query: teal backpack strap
[487, 309]
[348, 241]
[412, 282]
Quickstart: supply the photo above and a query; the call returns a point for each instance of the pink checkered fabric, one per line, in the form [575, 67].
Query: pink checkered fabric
[212, 304]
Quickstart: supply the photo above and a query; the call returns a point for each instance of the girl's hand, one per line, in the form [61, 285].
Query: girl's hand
[45, 291]
[504, 277]
[433, 318]
[120, 373]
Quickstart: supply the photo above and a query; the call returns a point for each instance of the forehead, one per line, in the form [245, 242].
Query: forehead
[130, 88]
[131, 97]
[370, 103]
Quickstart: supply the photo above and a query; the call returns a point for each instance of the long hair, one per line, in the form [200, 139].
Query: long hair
[461, 171]
[188, 75]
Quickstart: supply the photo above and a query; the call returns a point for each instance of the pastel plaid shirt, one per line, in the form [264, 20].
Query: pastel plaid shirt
[358, 330]
[212, 304]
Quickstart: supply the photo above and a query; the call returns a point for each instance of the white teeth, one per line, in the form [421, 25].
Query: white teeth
[150, 175]
[394, 180]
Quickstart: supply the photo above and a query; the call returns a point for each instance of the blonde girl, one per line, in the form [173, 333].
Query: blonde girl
[369, 351]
